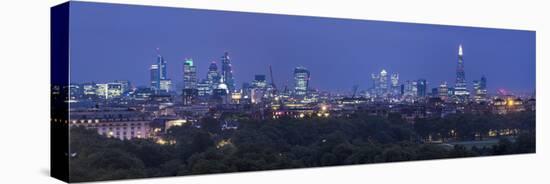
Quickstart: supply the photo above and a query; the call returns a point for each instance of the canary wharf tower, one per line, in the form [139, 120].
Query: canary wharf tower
[461, 92]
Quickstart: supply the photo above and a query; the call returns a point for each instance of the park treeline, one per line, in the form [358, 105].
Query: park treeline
[292, 143]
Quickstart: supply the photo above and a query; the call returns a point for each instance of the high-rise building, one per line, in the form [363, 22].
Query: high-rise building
[480, 90]
[159, 78]
[380, 83]
[204, 88]
[227, 72]
[162, 67]
[411, 88]
[383, 81]
[408, 86]
[155, 77]
[395, 84]
[461, 91]
[414, 88]
[421, 87]
[443, 91]
[213, 76]
[190, 90]
[189, 75]
[301, 81]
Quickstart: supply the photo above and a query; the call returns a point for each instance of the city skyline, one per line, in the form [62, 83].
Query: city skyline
[147, 91]
[432, 57]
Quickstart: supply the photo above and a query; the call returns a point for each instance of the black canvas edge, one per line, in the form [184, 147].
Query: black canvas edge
[59, 82]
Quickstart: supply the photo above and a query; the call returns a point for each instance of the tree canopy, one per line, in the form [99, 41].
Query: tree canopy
[292, 143]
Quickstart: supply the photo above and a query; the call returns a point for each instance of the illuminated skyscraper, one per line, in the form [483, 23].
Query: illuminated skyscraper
[410, 90]
[480, 90]
[159, 78]
[383, 81]
[460, 91]
[395, 84]
[380, 83]
[301, 81]
[407, 88]
[227, 72]
[189, 75]
[162, 67]
[213, 76]
[190, 90]
[155, 78]
[204, 88]
[414, 88]
[421, 87]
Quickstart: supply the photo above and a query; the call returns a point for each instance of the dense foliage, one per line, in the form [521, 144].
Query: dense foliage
[291, 143]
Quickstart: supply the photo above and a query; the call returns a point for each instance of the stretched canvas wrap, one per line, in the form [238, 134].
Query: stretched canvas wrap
[142, 91]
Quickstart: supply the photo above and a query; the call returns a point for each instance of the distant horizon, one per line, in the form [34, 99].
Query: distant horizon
[111, 42]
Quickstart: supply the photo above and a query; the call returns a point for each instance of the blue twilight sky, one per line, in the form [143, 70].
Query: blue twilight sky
[110, 42]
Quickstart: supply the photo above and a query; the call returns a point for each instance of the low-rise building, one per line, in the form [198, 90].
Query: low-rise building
[123, 124]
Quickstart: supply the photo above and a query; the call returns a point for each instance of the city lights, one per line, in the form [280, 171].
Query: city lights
[161, 141]
[236, 91]
[151, 112]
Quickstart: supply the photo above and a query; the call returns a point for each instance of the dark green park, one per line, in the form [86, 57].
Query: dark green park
[297, 143]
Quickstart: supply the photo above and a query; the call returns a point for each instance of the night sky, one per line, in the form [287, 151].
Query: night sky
[118, 42]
